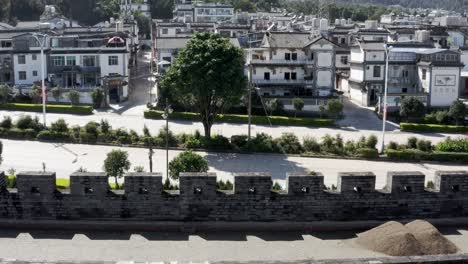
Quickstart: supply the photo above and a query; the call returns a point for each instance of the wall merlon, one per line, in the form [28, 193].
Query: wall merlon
[356, 182]
[304, 183]
[89, 184]
[451, 182]
[143, 183]
[409, 182]
[36, 183]
[196, 185]
[254, 183]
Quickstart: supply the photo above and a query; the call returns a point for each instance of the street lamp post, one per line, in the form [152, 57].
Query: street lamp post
[167, 111]
[42, 44]
[384, 119]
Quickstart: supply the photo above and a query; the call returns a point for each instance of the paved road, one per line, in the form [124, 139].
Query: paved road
[195, 248]
[65, 159]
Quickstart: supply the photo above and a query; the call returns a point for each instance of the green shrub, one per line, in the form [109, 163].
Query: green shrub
[123, 137]
[224, 186]
[392, 145]
[412, 143]
[409, 154]
[350, 147]
[48, 135]
[289, 143]
[27, 122]
[97, 96]
[89, 138]
[135, 138]
[430, 185]
[239, 141]
[192, 143]
[362, 142]
[6, 123]
[105, 126]
[311, 145]
[57, 109]
[243, 119]
[424, 145]
[59, 126]
[432, 128]
[217, 142]
[91, 128]
[367, 153]
[461, 157]
[371, 142]
[172, 139]
[277, 187]
[187, 162]
[453, 145]
[262, 143]
[74, 97]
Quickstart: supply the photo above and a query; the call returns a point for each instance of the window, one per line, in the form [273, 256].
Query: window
[293, 76]
[405, 73]
[22, 75]
[71, 60]
[34, 57]
[344, 60]
[89, 61]
[266, 76]
[404, 90]
[6, 44]
[35, 73]
[21, 59]
[377, 71]
[424, 74]
[312, 56]
[58, 60]
[287, 76]
[343, 41]
[113, 60]
[287, 56]
[294, 56]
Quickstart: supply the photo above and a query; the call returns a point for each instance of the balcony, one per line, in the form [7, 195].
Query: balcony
[281, 62]
[400, 81]
[283, 82]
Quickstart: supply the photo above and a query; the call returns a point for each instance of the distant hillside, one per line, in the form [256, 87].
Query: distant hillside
[443, 4]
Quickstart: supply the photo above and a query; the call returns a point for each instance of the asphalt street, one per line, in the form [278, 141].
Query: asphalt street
[65, 159]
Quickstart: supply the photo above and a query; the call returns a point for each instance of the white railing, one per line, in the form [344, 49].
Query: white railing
[288, 62]
[282, 81]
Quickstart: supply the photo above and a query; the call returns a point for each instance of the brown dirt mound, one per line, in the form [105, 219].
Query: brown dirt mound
[391, 238]
[431, 241]
[415, 239]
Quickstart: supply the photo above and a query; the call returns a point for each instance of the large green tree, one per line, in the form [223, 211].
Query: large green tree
[208, 75]
[116, 164]
[412, 109]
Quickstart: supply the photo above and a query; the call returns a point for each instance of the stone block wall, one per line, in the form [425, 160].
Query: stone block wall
[305, 198]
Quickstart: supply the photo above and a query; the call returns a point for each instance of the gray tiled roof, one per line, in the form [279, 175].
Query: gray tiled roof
[286, 40]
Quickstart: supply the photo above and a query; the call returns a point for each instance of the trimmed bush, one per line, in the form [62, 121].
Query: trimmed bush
[413, 154]
[262, 143]
[432, 128]
[367, 153]
[60, 126]
[48, 135]
[408, 154]
[58, 109]
[216, 142]
[243, 119]
[6, 123]
[239, 141]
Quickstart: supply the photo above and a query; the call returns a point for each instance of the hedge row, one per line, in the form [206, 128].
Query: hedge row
[243, 119]
[58, 109]
[413, 154]
[413, 127]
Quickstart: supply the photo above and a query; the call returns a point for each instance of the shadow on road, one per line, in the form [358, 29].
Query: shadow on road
[276, 164]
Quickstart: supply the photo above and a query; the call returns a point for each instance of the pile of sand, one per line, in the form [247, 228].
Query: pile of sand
[413, 239]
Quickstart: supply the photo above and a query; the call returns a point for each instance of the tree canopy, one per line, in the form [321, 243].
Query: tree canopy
[208, 76]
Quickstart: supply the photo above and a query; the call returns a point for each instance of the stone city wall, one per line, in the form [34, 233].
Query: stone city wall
[143, 199]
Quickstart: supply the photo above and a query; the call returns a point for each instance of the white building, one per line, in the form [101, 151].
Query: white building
[130, 6]
[430, 74]
[289, 65]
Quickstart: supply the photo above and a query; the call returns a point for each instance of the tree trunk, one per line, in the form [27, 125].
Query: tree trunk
[116, 183]
[207, 128]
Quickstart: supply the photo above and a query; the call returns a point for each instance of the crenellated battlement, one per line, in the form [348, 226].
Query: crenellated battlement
[305, 198]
